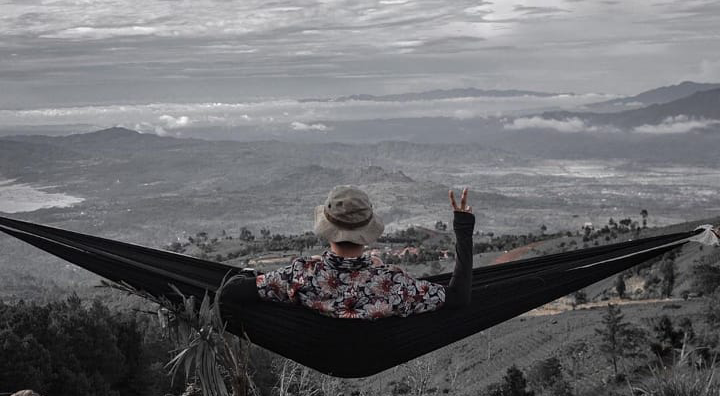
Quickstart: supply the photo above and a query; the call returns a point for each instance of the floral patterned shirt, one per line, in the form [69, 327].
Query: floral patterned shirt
[357, 288]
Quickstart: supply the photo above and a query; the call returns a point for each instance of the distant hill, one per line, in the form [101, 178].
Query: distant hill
[322, 178]
[110, 139]
[437, 94]
[18, 155]
[704, 105]
[654, 96]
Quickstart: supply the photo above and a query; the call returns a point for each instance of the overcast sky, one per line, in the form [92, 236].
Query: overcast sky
[60, 53]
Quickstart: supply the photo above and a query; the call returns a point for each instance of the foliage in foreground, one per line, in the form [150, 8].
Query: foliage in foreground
[217, 358]
[680, 381]
[69, 348]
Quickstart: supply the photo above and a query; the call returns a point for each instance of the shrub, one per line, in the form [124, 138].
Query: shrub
[546, 378]
[706, 278]
[668, 338]
[712, 309]
[514, 384]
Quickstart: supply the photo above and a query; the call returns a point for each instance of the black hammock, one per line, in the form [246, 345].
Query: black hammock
[350, 347]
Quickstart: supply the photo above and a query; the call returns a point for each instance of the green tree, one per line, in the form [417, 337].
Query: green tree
[25, 362]
[579, 298]
[619, 339]
[667, 338]
[546, 378]
[706, 278]
[72, 348]
[625, 223]
[440, 226]
[667, 268]
[644, 214]
[513, 384]
[577, 352]
[620, 286]
[246, 235]
[712, 309]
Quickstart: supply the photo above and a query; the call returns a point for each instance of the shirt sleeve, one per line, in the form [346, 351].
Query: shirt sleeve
[458, 293]
[417, 296]
[282, 284]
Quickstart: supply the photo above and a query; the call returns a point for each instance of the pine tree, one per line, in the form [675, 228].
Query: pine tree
[618, 338]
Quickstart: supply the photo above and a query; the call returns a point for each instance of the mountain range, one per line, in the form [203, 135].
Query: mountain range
[541, 136]
[437, 94]
[699, 105]
[654, 96]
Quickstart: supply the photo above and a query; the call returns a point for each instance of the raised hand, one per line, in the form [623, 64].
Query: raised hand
[463, 207]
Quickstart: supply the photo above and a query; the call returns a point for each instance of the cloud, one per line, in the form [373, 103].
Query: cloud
[341, 47]
[709, 71]
[172, 122]
[165, 127]
[393, 2]
[571, 124]
[677, 124]
[146, 127]
[84, 32]
[451, 44]
[300, 115]
[299, 126]
[531, 10]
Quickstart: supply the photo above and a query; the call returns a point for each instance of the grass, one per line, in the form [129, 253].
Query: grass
[680, 381]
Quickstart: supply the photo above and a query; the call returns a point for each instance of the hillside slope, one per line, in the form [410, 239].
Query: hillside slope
[654, 96]
[700, 105]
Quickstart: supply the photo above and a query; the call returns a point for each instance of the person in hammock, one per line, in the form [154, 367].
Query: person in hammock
[345, 283]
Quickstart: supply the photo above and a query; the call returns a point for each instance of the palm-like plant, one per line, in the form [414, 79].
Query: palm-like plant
[206, 351]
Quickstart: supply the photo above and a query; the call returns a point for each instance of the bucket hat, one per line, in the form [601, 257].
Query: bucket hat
[347, 216]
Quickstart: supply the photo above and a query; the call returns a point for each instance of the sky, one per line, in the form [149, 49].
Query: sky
[110, 55]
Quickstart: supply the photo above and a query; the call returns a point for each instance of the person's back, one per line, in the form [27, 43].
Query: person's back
[357, 288]
[345, 283]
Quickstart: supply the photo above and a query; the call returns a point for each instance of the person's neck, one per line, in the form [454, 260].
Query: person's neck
[346, 253]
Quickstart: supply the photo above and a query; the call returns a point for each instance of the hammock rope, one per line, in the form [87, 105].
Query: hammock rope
[346, 347]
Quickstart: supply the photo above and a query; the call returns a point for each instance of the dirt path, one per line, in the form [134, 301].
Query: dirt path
[556, 307]
[514, 254]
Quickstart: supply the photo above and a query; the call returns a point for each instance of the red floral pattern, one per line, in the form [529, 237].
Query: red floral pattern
[357, 288]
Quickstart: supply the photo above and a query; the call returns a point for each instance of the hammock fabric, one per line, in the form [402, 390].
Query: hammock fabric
[346, 347]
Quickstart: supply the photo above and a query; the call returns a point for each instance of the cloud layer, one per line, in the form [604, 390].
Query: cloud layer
[300, 126]
[677, 124]
[293, 114]
[572, 124]
[78, 52]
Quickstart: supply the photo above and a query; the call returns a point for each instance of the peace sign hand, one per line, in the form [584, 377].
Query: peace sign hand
[463, 201]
